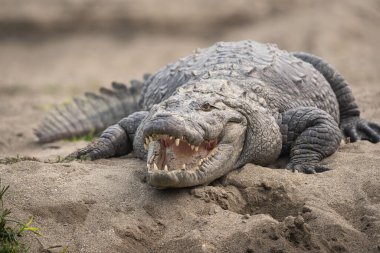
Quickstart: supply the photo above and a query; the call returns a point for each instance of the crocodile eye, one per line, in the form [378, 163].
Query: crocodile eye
[206, 107]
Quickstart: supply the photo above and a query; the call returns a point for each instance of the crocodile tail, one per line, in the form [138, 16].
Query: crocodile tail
[91, 114]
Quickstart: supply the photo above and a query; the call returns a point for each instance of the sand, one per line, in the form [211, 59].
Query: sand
[106, 205]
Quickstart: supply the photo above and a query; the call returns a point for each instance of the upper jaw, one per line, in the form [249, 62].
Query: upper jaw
[176, 139]
[173, 128]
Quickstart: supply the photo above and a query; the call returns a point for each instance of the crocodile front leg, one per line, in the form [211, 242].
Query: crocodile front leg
[116, 140]
[310, 135]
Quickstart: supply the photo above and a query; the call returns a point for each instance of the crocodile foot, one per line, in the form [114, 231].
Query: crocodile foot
[100, 148]
[113, 142]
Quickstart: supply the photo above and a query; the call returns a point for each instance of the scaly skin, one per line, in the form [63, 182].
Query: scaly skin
[232, 104]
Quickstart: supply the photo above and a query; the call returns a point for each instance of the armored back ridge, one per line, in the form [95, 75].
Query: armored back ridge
[92, 114]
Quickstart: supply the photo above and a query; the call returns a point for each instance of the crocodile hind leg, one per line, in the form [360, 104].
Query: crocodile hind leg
[351, 124]
[309, 135]
[116, 140]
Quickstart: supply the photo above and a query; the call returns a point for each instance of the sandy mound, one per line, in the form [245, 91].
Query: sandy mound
[106, 206]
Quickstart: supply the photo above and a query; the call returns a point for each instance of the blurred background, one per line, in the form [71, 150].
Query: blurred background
[51, 50]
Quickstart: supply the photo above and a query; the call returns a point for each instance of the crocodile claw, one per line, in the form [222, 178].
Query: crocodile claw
[307, 168]
[360, 129]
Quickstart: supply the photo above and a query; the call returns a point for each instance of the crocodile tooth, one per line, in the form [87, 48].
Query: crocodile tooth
[150, 138]
[146, 140]
[177, 142]
[192, 147]
[166, 167]
[145, 146]
[171, 138]
[196, 148]
[199, 162]
[183, 166]
[155, 166]
[148, 165]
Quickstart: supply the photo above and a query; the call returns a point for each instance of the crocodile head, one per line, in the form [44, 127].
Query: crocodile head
[193, 138]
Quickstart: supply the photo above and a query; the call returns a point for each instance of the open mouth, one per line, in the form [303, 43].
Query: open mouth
[170, 153]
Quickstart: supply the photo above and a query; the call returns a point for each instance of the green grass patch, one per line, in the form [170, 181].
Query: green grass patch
[92, 135]
[15, 159]
[11, 230]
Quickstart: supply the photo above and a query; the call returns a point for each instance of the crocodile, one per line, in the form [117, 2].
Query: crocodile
[214, 111]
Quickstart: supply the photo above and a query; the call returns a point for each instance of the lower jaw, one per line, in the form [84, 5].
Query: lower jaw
[177, 178]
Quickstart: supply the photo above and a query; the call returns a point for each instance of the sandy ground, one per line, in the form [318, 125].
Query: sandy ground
[106, 206]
